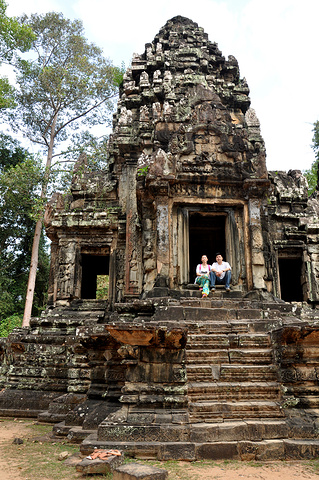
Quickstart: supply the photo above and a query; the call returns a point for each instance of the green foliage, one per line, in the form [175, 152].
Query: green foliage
[13, 37]
[312, 173]
[312, 177]
[11, 152]
[119, 74]
[66, 84]
[6, 94]
[102, 287]
[142, 172]
[96, 151]
[9, 323]
[20, 175]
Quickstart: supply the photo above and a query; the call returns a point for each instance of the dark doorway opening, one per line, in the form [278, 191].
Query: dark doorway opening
[206, 237]
[290, 279]
[92, 267]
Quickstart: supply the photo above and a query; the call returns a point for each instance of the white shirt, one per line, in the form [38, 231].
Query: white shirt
[200, 269]
[219, 268]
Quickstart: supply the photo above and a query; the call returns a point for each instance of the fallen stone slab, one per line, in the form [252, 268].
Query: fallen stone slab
[137, 471]
[97, 465]
[63, 455]
[73, 460]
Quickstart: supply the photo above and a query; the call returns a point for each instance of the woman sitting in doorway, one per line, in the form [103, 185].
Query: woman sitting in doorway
[202, 279]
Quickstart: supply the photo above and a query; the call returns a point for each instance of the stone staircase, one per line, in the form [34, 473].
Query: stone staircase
[233, 388]
[235, 393]
[230, 371]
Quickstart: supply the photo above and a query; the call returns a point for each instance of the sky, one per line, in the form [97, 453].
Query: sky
[274, 41]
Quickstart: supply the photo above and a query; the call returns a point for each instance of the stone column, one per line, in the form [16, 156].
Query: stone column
[257, 256]
[52, 289]
[163, 215]
[133, 251]
[66, 273]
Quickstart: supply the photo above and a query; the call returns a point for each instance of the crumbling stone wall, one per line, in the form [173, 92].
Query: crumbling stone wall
[290, 229]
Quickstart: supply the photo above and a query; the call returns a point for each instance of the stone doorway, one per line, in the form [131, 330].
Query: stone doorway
[206, 237]
[290, 275]
[199, 231]
[93, 265]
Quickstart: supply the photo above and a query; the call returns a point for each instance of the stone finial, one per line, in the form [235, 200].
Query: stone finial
[80, 164]
[251, 118]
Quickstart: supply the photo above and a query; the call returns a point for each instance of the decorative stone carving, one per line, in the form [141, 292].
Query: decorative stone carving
[157, 77]
[125, 117]
[144, 113]
[144, 80]
[156, 110]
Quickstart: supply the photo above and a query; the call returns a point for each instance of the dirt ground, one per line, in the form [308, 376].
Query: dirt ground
[15, 428]
[8, 432]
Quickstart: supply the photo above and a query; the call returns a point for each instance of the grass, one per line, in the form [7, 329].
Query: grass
[37, 457]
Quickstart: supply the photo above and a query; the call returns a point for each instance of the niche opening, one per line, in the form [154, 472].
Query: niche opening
[95, 275]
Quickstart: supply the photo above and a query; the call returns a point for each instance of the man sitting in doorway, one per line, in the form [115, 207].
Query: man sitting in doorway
[220, 273]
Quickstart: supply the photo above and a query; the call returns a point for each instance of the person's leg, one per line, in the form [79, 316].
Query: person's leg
[206, 287]
[227, 279]
[212, 278]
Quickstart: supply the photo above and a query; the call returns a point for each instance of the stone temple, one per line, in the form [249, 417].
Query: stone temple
[154, 369]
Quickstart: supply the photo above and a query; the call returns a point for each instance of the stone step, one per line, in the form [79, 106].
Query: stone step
[215, 302]
[234, 356]
[251, 356]
[258, 340]
[192, 314]
[237, 430]
[206, 411]
[197, 357]
[233, 391]
[207, 327]
[231, 372]
[255, 325]
[200, 372]
[78, 434]
[249, 326]
[205, 341]
[206, 312]
[245, 450]
[253, 373]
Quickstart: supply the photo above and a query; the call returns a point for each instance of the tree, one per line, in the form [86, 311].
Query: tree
[20, 176]
[69, 84]
[13, 37]
[312, 173]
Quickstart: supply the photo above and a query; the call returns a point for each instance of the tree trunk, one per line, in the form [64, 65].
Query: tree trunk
[37, 234]
[32, 274]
